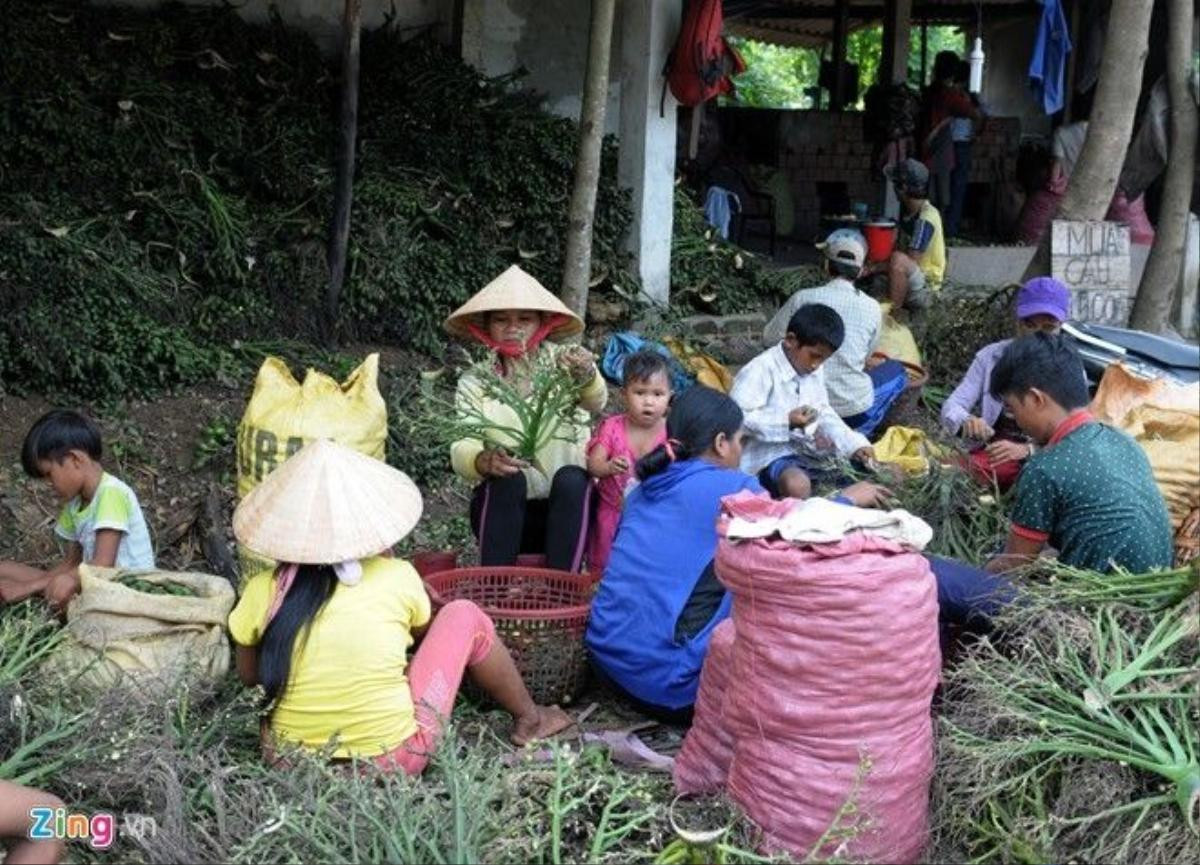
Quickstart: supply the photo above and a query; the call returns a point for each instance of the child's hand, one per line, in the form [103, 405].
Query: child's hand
[617, 466]
[62, 588]
[977, 428]
[579, 363]
[798, 418]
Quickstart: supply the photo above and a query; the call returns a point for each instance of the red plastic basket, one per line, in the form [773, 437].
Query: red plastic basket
[540, 615]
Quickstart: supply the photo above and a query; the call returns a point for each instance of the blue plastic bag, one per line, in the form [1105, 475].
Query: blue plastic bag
[624, 343]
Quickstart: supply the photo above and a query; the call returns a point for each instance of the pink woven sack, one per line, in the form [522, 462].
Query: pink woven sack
[834, 665]
[703, 761]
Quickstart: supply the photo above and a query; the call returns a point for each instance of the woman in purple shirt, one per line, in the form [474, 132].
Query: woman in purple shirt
[1000, 447]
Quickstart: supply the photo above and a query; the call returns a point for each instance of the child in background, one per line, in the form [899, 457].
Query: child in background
[16, 847]
[101, 520]
[782, 392]
[1000, 449]
[622, 440]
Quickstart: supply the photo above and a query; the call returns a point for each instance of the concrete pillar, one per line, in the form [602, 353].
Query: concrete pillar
[647, 140]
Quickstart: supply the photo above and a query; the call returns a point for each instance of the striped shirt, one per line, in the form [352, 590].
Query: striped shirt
[767, 389]
[850, 388]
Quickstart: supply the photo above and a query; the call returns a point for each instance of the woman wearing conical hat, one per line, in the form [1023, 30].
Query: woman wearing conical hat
[522, 507]
[326, 634]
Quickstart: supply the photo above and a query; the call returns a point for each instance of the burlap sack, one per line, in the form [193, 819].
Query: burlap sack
[115, 632]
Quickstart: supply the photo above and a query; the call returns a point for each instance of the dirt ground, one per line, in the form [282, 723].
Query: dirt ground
[172, 449]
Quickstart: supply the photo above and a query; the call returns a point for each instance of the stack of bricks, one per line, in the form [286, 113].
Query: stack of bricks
[822, 147]
[994, 154]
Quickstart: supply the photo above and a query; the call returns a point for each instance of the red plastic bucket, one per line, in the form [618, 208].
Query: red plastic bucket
[881, 240]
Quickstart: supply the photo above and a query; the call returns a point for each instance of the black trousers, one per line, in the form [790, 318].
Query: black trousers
[508, 523]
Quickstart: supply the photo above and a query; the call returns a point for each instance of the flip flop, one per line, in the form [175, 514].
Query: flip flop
[626, 748]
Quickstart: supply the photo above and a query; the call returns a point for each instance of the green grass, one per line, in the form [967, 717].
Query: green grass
[191, 763]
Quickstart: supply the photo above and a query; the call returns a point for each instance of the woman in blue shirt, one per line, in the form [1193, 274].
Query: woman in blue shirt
[660, 600]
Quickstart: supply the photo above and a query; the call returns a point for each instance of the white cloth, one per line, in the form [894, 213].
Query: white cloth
[767, 389]
[821, 521]
[849, 386]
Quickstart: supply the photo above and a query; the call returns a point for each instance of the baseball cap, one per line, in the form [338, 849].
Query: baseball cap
[845, 245]
[1044, 295]
[910, 175]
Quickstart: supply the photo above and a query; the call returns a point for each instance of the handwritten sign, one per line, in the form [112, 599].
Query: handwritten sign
[1092, 259]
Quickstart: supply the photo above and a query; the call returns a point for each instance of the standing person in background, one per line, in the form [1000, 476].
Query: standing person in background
[944, 101]
[963, 131]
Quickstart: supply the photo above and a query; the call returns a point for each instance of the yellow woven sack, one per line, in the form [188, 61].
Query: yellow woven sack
[906, 448]
[896, 340]
[116, 632]
[1171, 440]
[1164, 418]
[709, 371]
[283, 415]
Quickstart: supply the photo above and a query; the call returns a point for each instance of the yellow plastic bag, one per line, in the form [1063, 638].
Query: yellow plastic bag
[907, 448]
[115, 632]
[1165, 420]
[283, 415]
[709, 371]
[896, 340]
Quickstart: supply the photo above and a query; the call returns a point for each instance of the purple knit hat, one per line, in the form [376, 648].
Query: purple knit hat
[1044, 295]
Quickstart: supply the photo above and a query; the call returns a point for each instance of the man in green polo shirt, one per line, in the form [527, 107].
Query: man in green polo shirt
[1089, 492]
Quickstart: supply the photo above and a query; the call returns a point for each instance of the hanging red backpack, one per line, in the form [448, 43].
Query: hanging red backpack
[699, 66]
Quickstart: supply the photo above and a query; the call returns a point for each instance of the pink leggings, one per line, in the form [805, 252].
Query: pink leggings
[460, 636]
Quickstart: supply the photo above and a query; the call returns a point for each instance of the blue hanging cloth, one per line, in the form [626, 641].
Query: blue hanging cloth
[1047, 69]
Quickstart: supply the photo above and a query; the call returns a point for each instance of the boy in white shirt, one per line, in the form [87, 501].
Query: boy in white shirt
[782, 394]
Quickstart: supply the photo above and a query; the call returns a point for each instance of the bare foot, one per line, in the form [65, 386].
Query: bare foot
[542, 723]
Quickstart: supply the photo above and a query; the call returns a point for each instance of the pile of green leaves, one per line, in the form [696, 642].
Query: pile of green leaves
[1071, 734]
[150, 587]
[167, 191]
[969, 521]
[962, 320]
[713, 275]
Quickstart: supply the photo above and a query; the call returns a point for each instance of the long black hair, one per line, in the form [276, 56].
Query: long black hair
[312, 588]
[698, 416]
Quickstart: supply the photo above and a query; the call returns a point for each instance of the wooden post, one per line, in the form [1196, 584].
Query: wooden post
[1072, 63]
[841, 27]
[577, 264]
[897, 22]
[924, 53]
[1161, 277]
[343, 190]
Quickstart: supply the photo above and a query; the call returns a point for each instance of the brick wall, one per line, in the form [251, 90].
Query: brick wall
[822, 147]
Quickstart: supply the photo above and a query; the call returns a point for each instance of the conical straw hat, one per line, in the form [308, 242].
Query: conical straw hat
[513, 289]
[328, 503]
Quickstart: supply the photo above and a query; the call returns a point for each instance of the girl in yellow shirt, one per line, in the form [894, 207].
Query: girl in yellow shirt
[327, 633]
